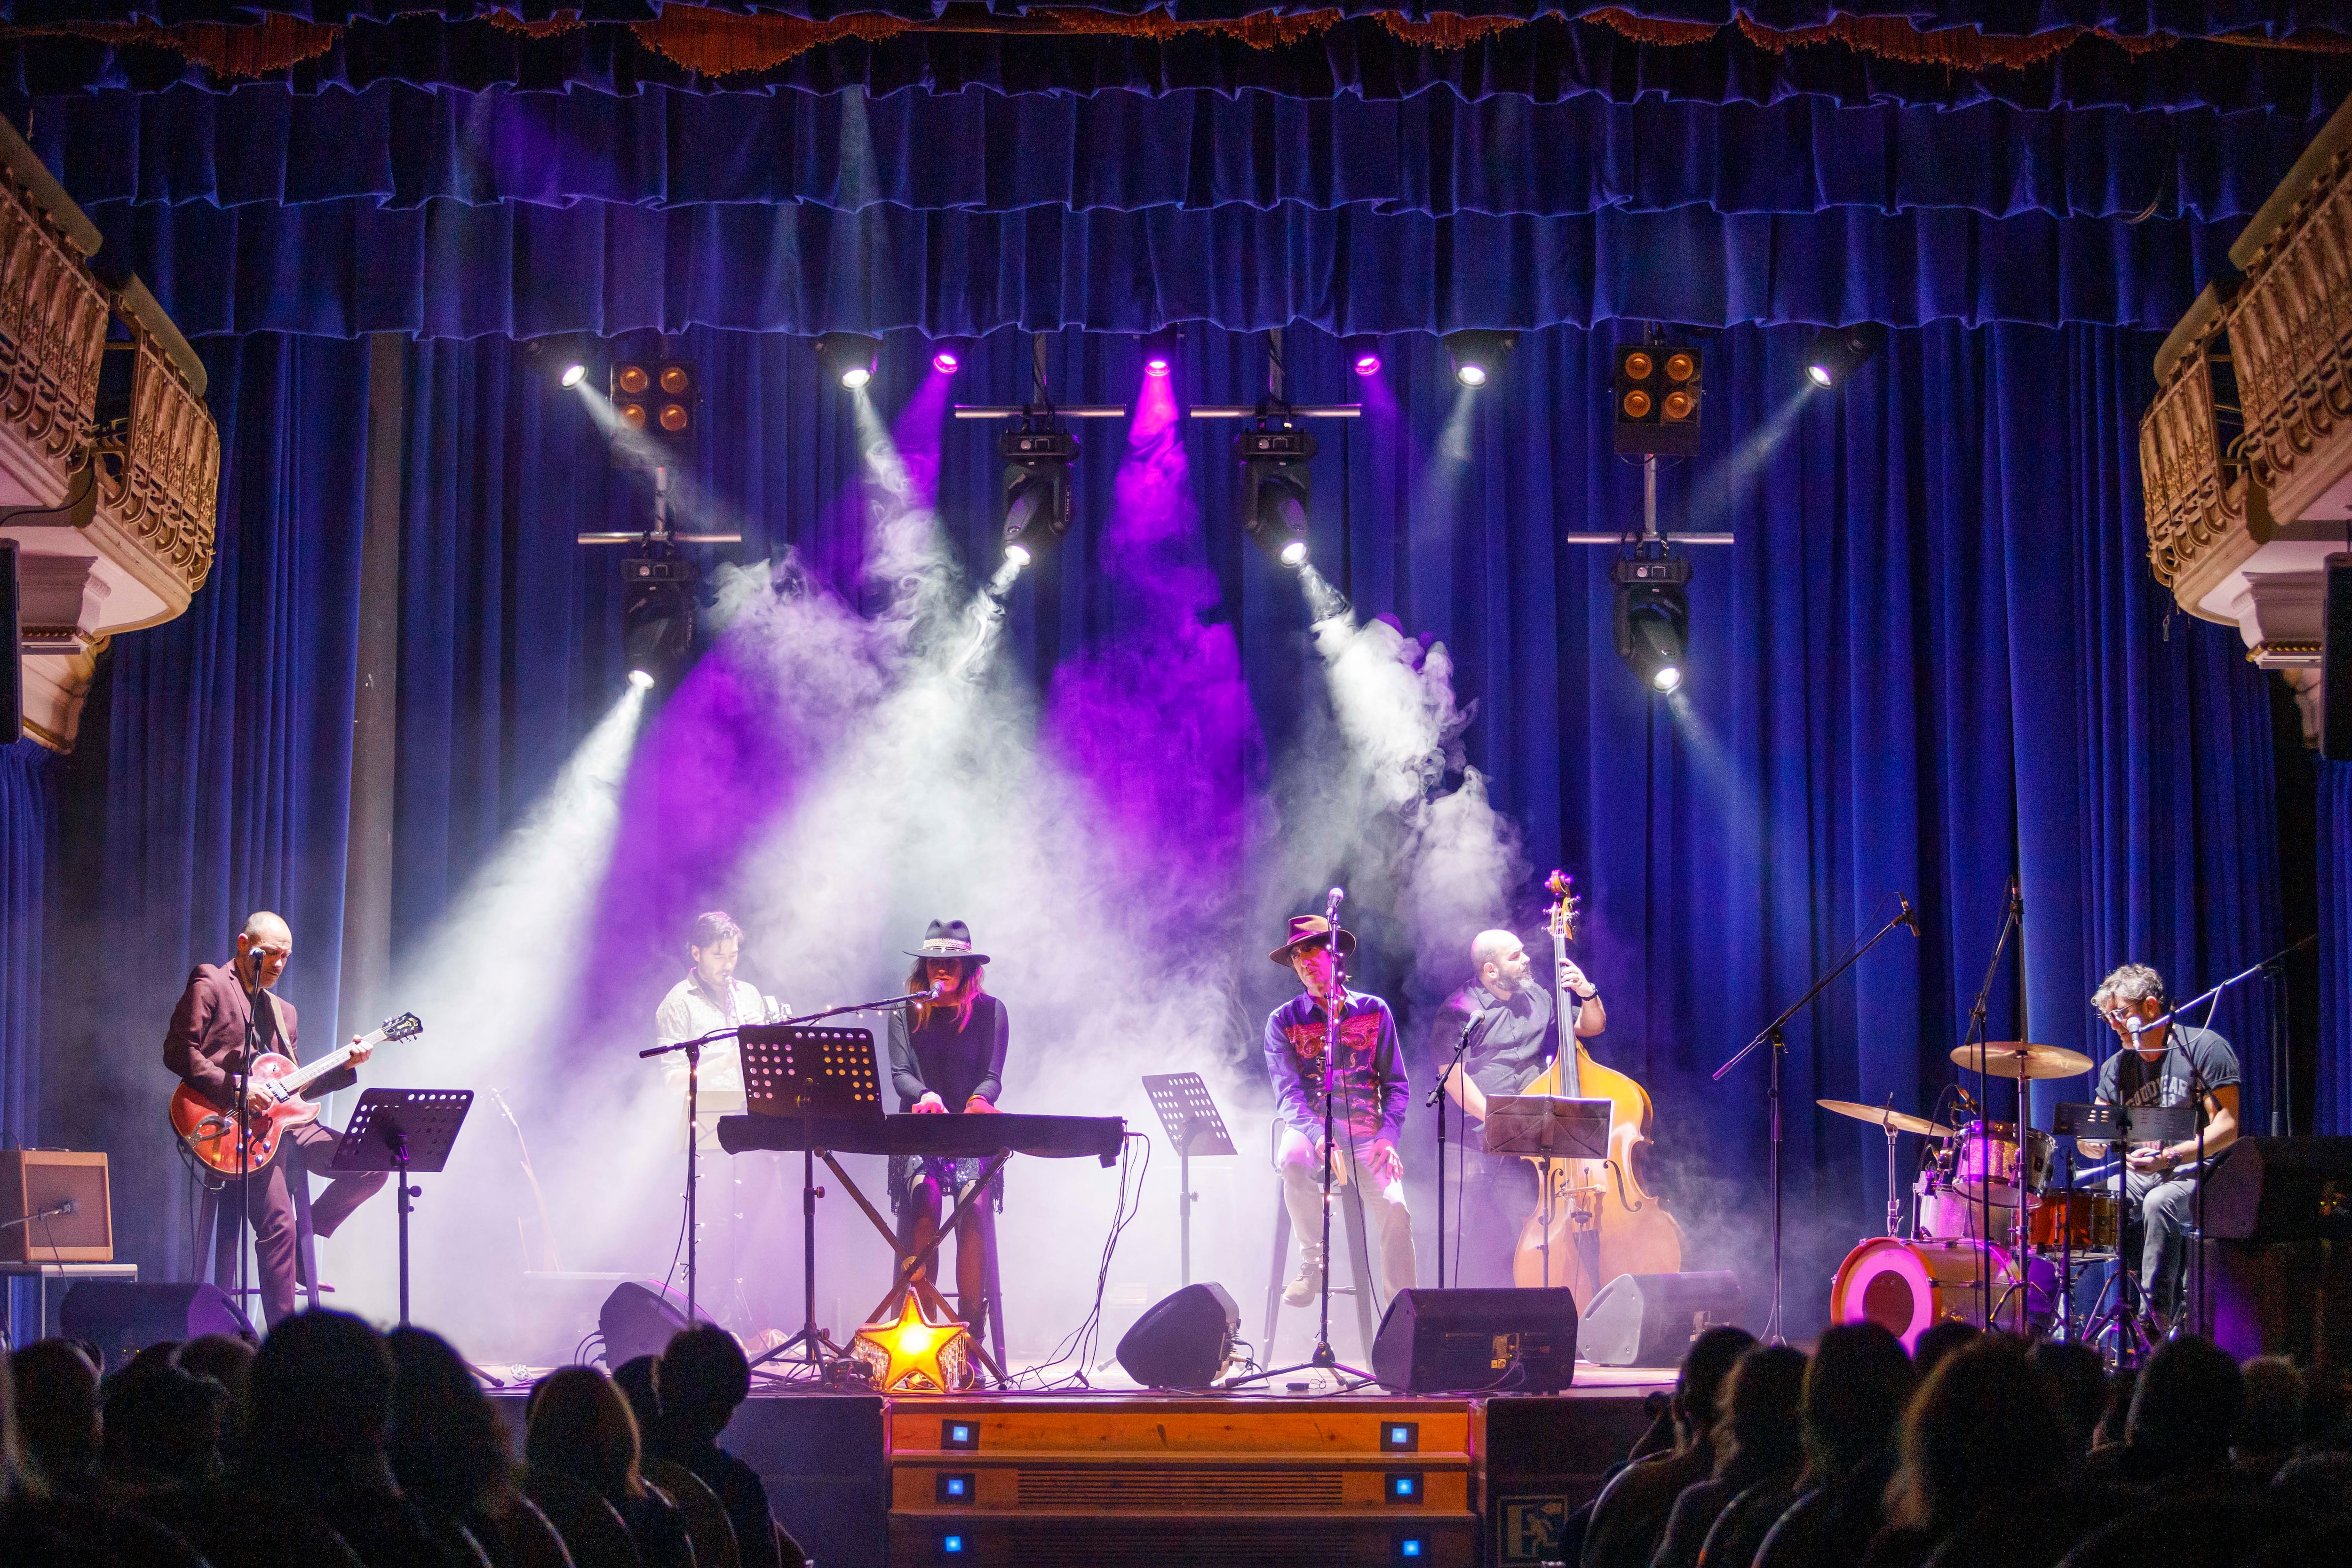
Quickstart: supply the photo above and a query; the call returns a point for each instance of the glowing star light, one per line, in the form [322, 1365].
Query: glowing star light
[914, 1353]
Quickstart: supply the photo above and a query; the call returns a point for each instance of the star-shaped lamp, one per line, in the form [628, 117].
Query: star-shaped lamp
[914, 1354]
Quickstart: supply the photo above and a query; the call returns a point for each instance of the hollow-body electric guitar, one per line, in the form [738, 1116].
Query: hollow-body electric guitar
[211, 1133]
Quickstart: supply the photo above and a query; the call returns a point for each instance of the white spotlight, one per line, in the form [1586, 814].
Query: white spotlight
[574, 375]
[1017, 553]
[1666, 679]
[642, 680]
[855, 376]
[1294, 553]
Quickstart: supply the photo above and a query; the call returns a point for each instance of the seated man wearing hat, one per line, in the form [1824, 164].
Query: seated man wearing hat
[1367, 1110]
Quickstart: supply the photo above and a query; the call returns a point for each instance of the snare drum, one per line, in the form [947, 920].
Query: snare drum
[1993, 1149]
[1908, 1287]
[2082, 1220]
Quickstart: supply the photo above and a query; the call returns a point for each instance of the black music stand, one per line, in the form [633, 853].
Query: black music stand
[1194, 1126]
[402, 1130]
[806, 1072]
[1548, 1127]
[2118, 1126]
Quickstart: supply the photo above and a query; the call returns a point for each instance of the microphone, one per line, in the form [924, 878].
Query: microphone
[934, 993]
[1909, 917]
[68, 1206]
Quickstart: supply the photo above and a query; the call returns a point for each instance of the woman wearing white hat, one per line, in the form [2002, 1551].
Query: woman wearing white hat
[947, 1056]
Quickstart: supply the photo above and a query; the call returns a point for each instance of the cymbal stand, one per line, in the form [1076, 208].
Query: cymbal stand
[1771, 1035]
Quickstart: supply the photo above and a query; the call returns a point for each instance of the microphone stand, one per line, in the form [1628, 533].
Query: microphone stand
[1770, 1035]
[2013, 917]
[253, 990]
[1437, 1101]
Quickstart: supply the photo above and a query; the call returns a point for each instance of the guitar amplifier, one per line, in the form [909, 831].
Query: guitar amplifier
[35, 1181]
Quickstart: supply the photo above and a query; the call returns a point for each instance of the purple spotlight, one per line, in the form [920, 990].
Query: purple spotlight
[1363, 354]
[945, 360]
[1156, 365]
[1160, 352]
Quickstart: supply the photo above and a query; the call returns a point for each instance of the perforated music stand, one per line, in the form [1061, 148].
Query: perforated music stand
[1194, 1126]
[1548, 1127]
[809, 1072]
[401, 1131]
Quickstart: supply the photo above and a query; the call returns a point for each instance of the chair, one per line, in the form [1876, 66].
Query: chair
[592, 1528]
[1359, 1260]
[221, 1233]
[530, 1539]
[707, 1524]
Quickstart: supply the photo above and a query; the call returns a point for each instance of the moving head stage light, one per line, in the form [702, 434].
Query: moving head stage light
[1838, 352]
[1274, 489]
[1478, 354]
[658, 612]
[1651, 616]
[849, 357]
[1037, 459]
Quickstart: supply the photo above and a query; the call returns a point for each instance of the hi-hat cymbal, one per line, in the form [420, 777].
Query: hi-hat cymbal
[1885, 1116]
[2015, 1058]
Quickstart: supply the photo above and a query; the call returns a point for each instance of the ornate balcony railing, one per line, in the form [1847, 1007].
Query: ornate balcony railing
[52, 326]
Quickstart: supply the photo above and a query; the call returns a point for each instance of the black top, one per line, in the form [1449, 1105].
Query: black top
[2128, 1078]
[1511, 1044]
[953, 1063]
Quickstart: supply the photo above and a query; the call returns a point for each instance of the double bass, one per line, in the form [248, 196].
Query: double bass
[1593, 1219]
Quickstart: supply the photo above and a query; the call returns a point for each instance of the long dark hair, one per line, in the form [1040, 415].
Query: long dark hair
[969, 976]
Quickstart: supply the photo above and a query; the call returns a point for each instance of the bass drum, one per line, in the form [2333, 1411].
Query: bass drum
[1908, 1287]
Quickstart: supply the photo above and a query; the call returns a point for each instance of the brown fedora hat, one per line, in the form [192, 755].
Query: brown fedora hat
[1308, 929]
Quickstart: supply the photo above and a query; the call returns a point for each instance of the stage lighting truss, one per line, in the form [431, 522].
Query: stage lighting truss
[657, 409]
[1275, 487]
[850, 358]
[1656, 392]
[1838, 352]
[1478, 354]
[1652, 615]
[1037, 461]
[658, 612]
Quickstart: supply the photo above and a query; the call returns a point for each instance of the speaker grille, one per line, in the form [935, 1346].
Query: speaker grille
[1087, 1485]
[1199, 1541]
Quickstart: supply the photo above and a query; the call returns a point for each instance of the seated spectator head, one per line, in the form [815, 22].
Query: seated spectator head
[1854, 1393]
[320, 1395]
[1984, 1426]
[2079, 1375]
[581, 1426]
[704, 1377]
[162, 1426]
[1755, 1436]
[2186, 1403]
[224, 1358]
[447, 1444]
[1938, 1341]
[1698, 1386]
[56, 1410]
[639, 1379]
[14, 1482]
[2316, 1483]
[2271, 1411]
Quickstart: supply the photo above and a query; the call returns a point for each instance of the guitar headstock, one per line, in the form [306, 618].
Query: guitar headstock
[1560, 921]
[405, 1027]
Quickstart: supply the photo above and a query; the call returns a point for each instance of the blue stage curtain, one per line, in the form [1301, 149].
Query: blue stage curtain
[1549, 62]
[348, 266]
[213, 775]
[2335, 812]
[976, 151]
[28, 827]
[1933, 657]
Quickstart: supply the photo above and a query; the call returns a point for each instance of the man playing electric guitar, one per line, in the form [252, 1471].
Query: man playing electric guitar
[206, 1047]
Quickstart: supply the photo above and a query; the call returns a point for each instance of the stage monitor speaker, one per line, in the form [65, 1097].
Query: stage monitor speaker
[638, 1319]
[2280, 1189]
[121, 1317]
[1452, 1342]
[56, 1206]
[2336, 661]
[1650, 1320]
[1181, 1341]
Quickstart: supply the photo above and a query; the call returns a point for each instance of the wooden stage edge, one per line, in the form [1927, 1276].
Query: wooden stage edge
[1117, 1476]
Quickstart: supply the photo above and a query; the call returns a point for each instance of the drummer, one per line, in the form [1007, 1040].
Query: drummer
[2163, 1066]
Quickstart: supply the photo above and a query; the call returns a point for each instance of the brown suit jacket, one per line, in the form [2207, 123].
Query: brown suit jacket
[205, 1044]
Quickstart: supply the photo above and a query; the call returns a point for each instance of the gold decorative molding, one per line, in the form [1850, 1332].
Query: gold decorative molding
[159, 469]
[52, 327]
[2189, 480]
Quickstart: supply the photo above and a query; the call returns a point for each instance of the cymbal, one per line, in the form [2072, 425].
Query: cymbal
[2015, 1058]
[1884, 1116]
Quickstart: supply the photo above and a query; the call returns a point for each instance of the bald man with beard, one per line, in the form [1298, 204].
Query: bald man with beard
[206, 1045]
[1509, 1017]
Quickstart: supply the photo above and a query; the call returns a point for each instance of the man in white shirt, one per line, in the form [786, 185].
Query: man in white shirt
[709, 998]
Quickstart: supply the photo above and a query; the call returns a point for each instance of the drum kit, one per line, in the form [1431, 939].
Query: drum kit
[1961, 1258]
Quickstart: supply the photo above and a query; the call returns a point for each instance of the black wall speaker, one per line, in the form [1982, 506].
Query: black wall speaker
[1650, 1320]
[123, 1318]
[638, 1319]
[2280, 1189]
[2335, 663]
[1509, 1341]
[1181, 1341]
